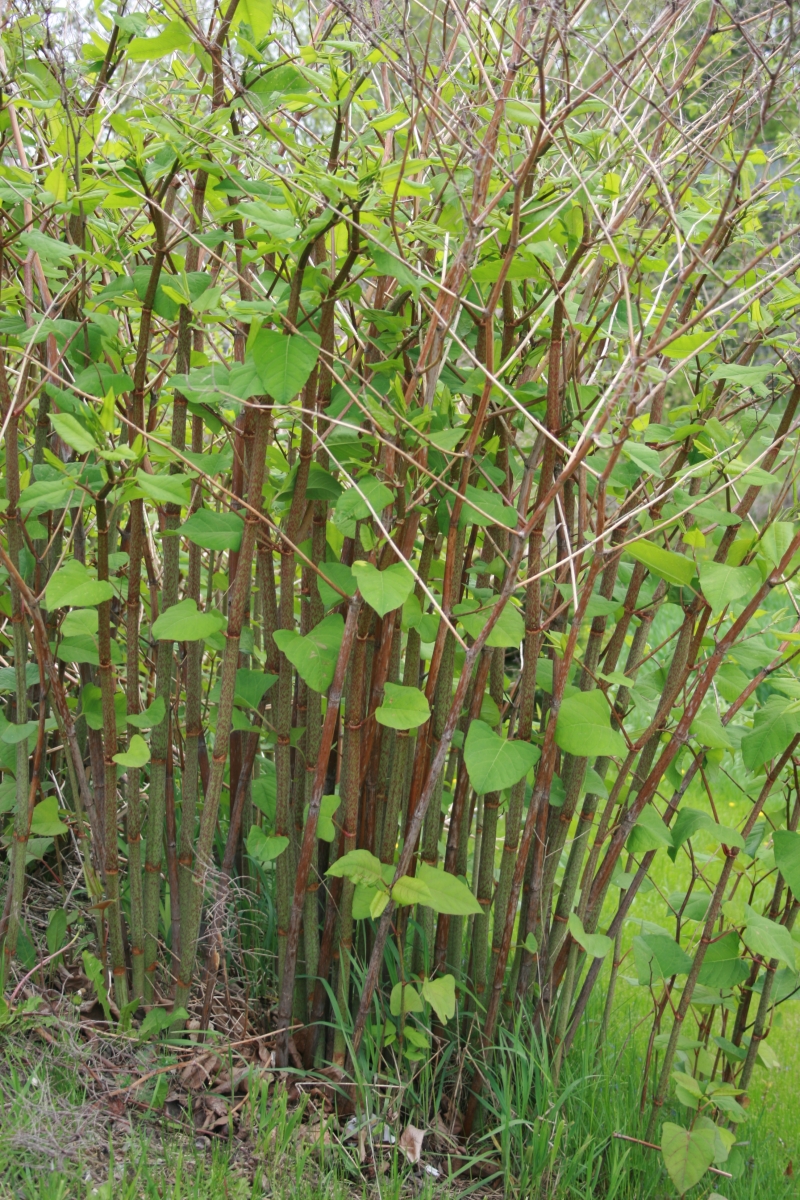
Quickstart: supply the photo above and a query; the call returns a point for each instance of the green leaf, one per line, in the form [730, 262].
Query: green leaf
[674, 568]
[405, 998]
[522, 111]
[403, 707]
[492, 762]
[80, 621]
[157, 1020]
[214, 530]
[12, 735]
[410, 890]
[284, 363]
[671, 958]
[262, 848]
[722, 967]
[152, 715]
[485, 508]
[749, 377]
[251, 686]
[367, 497]
[165, 489]
[595, 944]
[441, 995]
[321, 485]
[137, 754]
[645, 457]
[46, 821]
[56, 930]
[508, 631]
[649, 833]
[690, 344]
[326, 830]
[72, 586]
[46, 495]
[384, 590]
[688, 1153]
[447, 439]
[768, 938]
[183, 623]
[314, 656]
[776, 540]
[448, 893]
[258, 15]
[774, 727]
[691, 820]
[787, 857]
[709, 731]
[71, 431]
[359, 866]
[584, 726]
[723, 585]
[95, 972]
[174, 36]
[343, 578]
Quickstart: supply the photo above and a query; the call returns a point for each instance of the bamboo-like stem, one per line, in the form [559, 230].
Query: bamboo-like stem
[19, 845]
[191, 917]
[350, 792]
[136, 551]
[108, 686]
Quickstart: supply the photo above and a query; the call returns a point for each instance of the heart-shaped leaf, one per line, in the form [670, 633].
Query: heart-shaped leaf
[46, 821]
[688, 1153]
[262, 848]
[448, 893]
[405, 998]
[584, 726]
[596, 944]
[314, 655]
[72, 586]
[769, 939]
[410, 890]
[359, 866]
[284, 363]
[214, 530]
[403, 707]
[509, 629]
[493, 762]
[723, 585]
[152, 715]
[137, 754]
[13, 734]
[183, 622]
[441, 995]
[384, 590]
[367, 497]
[251, 686]
[340, 576]
[326, 830]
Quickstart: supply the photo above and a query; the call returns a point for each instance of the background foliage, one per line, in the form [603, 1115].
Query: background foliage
[399, 422]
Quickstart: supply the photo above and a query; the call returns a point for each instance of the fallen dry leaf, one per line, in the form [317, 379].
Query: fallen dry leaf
[411, 1142]
[200, 1070]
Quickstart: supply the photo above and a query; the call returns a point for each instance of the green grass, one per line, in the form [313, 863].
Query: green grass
[545, 1142]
